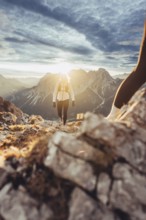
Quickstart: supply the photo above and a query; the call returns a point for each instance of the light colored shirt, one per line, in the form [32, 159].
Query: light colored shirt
[62, 94]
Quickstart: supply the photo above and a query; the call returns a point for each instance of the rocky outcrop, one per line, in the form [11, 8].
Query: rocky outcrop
[96, 172]
[6, 106]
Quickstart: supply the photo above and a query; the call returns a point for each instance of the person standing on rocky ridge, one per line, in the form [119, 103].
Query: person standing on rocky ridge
[62, 93]
[132, 83]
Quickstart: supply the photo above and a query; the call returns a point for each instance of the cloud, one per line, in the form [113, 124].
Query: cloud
[95, 33]
[99, 36]
[15, 40]
[7, 52]
[4, 21]
[73, 48]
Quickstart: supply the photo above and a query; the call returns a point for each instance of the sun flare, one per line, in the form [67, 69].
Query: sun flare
[61, 68]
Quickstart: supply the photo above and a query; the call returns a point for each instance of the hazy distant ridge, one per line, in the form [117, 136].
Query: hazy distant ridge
[92, 89]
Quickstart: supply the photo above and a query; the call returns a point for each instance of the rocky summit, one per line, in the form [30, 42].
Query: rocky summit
[94, 91]
[87, 170]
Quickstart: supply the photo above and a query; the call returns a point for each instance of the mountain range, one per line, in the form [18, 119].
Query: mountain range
[9, 86]
[94, 91]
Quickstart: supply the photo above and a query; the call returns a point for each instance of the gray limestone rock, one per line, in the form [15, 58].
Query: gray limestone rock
[79, 148]
[103, 188]
[83, 207]
[128, 192]
[96, 173]
[17, 204]
[3, 176]
[69, 167]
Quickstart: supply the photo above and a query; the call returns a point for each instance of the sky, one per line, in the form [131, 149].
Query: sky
[40, 36]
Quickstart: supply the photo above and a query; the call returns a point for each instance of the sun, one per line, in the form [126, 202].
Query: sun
[63, 68]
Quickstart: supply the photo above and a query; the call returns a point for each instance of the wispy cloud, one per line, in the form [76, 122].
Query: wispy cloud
[95, 33]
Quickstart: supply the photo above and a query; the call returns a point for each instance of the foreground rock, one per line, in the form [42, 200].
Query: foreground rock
[6, 106]
[17, 204]
[97, 172]
[83, 207]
